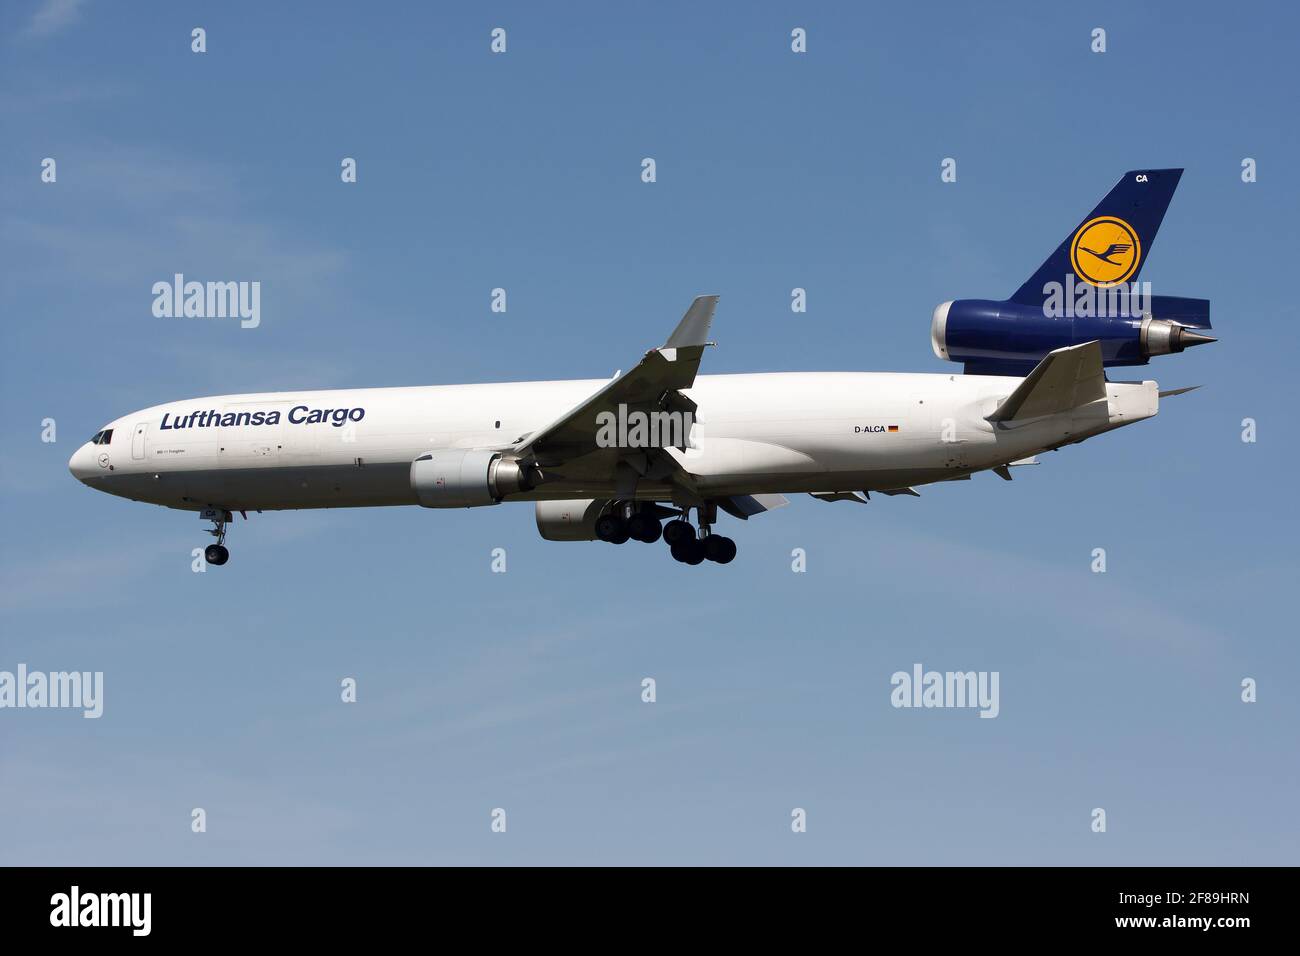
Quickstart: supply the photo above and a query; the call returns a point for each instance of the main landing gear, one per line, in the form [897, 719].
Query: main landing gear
[689, 547]
[217, 553]
[628, 521]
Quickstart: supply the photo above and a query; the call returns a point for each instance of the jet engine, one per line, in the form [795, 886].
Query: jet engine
[569, 520]
[1010, 338]
[467, 478]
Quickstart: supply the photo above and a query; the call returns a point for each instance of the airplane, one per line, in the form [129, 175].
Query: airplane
[611, 460]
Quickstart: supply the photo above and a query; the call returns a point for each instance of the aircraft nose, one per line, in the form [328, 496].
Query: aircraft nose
[82, 463]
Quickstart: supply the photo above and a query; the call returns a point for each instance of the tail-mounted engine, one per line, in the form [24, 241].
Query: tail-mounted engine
[1087, 290]
[1010, 338]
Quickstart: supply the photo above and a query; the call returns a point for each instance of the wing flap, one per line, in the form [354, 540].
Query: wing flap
[860, 497]
[745, 507]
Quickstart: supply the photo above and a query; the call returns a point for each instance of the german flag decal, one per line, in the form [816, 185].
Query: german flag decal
[893, 428]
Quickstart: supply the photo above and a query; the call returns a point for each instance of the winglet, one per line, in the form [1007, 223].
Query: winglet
[693, 329]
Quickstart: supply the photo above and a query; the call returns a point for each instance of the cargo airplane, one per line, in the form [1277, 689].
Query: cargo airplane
[612, 460]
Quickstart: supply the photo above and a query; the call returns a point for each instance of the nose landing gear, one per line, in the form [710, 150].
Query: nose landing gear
[217, 553]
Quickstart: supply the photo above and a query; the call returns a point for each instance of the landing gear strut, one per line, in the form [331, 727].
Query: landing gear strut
[217, 553]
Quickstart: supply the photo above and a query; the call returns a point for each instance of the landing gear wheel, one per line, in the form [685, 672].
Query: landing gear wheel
[677, 531]
[642, 527]
[719, 549]
[216, 554]
[611, 528]
[690, 551]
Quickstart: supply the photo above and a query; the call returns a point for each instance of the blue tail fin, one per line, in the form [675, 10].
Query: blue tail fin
[1111, 244]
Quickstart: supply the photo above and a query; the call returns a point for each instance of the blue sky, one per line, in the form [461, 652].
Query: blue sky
[522, 690]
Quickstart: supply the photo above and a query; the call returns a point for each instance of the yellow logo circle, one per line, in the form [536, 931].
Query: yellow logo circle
[1105, 251]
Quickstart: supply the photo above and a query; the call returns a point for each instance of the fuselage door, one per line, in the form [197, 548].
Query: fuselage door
[137, 440]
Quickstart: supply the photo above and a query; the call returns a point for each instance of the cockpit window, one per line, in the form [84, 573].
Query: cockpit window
[98, 436]
[102, 438]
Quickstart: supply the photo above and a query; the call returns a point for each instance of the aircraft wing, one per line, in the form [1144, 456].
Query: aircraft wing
[569, 444]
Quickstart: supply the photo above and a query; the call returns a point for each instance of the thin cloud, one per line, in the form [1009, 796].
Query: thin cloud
[54, 16]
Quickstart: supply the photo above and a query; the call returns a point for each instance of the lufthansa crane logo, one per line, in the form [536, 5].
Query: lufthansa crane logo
[1105, 251]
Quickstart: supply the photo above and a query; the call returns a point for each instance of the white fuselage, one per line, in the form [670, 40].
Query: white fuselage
[756, 433]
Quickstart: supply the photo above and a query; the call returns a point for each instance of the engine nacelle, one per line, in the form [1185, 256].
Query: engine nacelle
[1010, 337]
[569, 520]
[466, 478]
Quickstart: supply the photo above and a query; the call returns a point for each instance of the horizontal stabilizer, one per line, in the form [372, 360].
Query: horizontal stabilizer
[1067, 378]
[1178, 391]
